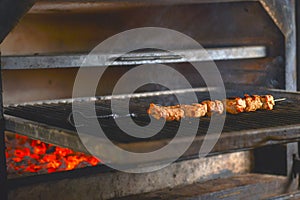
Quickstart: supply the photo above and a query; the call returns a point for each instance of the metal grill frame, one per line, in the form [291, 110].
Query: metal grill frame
[228, 142]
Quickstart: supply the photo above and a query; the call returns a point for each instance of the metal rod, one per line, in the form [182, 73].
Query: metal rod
[281, 99]
[298, 43]
[3, 172]
[42, 7]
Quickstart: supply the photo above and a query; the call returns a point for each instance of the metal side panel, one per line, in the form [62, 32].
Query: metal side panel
[283, 13]
[10, 13]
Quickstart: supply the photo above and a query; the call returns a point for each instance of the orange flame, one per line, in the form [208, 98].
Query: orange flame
[28, 155]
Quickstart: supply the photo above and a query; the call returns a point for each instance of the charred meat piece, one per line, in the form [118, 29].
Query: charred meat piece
[174, 113]
[194, 110]
[156, 111]
[177, 112]
[219, 107]
[214, 107]
[267, 102]
[235, 105]
[169, 113]
[253, 103]
[232, 106]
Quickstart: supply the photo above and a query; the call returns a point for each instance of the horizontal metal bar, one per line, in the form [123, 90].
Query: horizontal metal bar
[280, 92]
[154, 57]
[288, 196]
[46, 6]
[119, 96]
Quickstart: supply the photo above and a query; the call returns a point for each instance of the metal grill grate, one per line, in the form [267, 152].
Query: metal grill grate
[241, 131]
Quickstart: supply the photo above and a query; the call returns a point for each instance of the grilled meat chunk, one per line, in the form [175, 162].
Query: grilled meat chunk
[213, 107]
[235, 105]
[253, 103]
[195, 110]
[267, 102]
[168, 113]
[177, 112]
[232, 105]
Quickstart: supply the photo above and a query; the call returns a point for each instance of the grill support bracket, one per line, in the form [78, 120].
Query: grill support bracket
[281, 159]
[3, 171]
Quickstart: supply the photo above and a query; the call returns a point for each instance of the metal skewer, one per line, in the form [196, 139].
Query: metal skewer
[70, 118]
[281, 99]
[114, 116]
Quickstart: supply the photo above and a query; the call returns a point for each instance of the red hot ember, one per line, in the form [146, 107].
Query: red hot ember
[27, 155]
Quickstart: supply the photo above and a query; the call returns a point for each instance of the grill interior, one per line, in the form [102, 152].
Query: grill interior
[252, 42]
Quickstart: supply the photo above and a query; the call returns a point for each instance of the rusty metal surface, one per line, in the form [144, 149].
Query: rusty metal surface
[48, 34]
[248, 186]
[283, 13]
[67, 33]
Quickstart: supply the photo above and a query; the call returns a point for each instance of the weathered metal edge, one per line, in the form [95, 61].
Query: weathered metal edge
[97, 60]
[235, 141]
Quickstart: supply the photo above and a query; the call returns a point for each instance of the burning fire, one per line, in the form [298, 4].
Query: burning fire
[28, 155]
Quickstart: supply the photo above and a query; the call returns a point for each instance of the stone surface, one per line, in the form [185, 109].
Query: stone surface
[119, 184]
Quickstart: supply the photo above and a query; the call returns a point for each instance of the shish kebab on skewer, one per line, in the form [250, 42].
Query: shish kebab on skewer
[208, 107]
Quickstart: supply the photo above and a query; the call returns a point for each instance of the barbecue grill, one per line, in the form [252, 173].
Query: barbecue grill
[253, 43]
